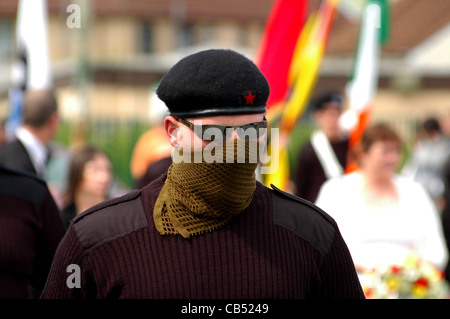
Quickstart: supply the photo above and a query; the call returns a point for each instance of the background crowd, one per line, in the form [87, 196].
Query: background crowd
[384, 210]
[397, 202]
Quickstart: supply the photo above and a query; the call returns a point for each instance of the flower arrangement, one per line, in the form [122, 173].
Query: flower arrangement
[414, 279]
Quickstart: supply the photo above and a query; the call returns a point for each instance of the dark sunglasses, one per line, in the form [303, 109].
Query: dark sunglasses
[213, 132]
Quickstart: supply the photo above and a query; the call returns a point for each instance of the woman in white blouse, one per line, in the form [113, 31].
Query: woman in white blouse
[382, 216]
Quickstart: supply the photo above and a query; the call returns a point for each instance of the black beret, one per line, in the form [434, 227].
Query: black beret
[328, 97]
[214, 82]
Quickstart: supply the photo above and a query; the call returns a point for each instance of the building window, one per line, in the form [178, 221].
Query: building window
[6, 41]
[186, 35]
[146, 37]
[206, 33]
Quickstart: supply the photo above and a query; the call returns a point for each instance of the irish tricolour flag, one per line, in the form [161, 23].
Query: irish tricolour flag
[363, 83]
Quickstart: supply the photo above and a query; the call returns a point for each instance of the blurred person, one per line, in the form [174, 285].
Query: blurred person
[30, 231]
[151, 148]
[155, 170]
[3, 138]
[151, 154]
[325, 155]
[445, 124]
[446, 213]
[383, 216]
[90, 177]
[207, 229]
[427, 161]
[29, 151]
[57, 171]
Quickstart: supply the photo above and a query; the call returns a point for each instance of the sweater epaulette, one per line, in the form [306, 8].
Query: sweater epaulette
[304, 219]
[110, 219]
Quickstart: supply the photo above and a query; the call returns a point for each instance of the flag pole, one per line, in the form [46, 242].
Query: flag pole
[82, 77]
[31, 69]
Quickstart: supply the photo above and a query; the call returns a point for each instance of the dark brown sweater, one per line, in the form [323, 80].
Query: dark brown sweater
[30, 231]
[289, 250]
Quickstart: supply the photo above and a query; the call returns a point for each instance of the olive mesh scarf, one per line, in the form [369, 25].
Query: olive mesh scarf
[201, 197]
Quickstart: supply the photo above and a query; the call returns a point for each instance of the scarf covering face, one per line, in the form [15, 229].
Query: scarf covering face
[198, 197]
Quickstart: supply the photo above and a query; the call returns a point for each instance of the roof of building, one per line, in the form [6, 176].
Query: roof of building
[190, 10]
[411, 23]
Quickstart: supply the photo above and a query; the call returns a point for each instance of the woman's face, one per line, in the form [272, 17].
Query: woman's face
[382, 158]
[97, 176]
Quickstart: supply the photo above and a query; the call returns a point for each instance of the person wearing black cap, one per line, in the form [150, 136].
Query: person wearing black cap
[207, 229]
[325, 155]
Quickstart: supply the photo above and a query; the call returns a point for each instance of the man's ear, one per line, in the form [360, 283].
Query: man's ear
[171, 125]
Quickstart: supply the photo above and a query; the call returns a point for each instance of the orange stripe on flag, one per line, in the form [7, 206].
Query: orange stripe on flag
[306, 62]
[355, 139]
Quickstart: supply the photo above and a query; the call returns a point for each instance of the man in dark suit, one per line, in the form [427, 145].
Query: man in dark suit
[29, 151]
[30, 231]
[14, 155]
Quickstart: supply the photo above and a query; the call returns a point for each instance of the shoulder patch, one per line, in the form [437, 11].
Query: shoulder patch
[110, 219]
[304, 219]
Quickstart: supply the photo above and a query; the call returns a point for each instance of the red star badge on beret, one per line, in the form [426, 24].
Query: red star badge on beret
[249, 98]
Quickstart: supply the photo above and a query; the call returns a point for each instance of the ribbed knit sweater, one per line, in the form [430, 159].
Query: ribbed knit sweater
[258, 254]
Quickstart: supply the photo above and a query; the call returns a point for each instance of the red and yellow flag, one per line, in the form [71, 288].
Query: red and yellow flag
[277, 45]
[292, 86]
[306, 62]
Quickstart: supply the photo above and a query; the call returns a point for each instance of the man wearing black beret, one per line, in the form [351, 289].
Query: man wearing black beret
[207, 229]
